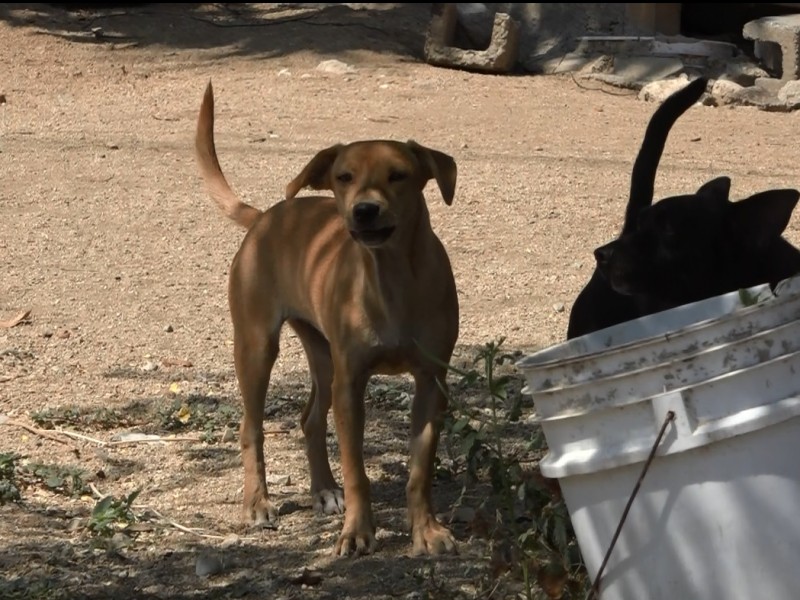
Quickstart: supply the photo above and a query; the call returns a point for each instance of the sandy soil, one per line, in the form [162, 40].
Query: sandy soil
[107, 237]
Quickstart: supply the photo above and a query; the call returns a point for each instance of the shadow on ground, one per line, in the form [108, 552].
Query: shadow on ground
[52, 554]
[258, 30]
[64, 566]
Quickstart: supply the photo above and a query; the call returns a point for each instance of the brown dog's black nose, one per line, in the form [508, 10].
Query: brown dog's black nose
[603, 254]
[364, 213]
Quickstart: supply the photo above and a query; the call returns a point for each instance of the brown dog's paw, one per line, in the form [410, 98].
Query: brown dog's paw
[329, 502]
[357, 544]
[432, 538]
[261, 513]
[358, 537]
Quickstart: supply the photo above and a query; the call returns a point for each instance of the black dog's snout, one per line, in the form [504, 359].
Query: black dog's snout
[365, 213]
[603, 254]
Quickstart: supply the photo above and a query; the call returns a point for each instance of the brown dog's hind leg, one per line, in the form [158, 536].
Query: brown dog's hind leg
[430, 402]
[254, 355]
[326, 495]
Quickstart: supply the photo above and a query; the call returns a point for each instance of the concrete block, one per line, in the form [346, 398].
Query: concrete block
[783, 31]
[499, 57]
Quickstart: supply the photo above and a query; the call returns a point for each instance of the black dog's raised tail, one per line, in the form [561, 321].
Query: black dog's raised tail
[643, 176]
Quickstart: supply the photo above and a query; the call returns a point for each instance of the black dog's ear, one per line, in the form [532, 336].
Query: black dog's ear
[717, 188]
[762, 217]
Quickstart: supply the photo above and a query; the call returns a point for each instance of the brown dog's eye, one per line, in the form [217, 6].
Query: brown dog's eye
[345, 177]
[395, 176]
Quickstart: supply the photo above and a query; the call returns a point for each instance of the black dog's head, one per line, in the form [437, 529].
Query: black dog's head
[685, 248]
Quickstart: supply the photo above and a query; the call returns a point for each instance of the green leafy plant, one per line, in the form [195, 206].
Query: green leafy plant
[102, 418]
[112, 514]
[67, 480]
[531, 533]
[9, 492]
[198, 413]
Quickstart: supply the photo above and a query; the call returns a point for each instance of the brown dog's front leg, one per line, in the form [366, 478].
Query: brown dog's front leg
[430, 401]
[358, 533]
[326, 495]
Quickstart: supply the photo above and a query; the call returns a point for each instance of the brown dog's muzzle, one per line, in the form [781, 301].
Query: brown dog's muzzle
[368, 224]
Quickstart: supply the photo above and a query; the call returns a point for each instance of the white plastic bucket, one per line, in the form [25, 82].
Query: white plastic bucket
[716, 516]
[660, 337]
[630, 386]
[716, 523]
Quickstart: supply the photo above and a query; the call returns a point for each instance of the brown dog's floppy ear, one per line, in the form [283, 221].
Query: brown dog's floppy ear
[439, 166]
[316, 174]
[761, 218]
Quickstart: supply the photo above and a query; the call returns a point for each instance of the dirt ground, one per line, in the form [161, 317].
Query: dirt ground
[107, 236]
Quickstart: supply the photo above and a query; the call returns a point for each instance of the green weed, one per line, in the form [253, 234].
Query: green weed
[531, 534]
[9, 492]
[112, 514]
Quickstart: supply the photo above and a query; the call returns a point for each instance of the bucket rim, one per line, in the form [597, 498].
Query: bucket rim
[529, 362]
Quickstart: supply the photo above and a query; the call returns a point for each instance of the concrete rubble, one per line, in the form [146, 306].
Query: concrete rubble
[594, 46]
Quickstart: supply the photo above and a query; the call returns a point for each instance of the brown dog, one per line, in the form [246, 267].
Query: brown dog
[366, 284]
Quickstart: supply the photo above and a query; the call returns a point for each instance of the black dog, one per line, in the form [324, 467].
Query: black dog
[684, 248]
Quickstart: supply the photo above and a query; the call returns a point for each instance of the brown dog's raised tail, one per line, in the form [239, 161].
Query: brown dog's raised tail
[216, 184]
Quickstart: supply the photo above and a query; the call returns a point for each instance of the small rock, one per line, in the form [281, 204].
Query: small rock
[559, 308]
[279, 480]
[305, 76]
[761, 98]
[208, 565]
[284, 73]
[47, 334]
[149, 367]
[335, 66]
[112, 146]
[3, 99]
[658, 91]
[168, 329]
[63, 334]
[228, 435]
[724, 92]
[230, 540]
[790, 94]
